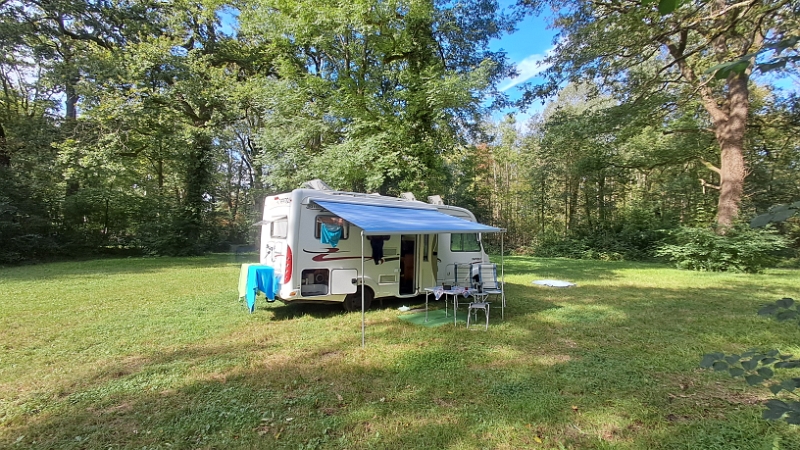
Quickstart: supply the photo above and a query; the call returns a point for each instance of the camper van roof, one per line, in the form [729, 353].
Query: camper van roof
[309, 195]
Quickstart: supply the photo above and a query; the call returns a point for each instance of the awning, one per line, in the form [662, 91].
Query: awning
[384, 219]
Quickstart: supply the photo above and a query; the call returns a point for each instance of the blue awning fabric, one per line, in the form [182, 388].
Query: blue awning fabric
[383, 219]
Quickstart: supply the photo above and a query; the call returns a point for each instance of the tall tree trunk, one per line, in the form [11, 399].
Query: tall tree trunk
[160, 175]
[730, 136]
[5, 155]
[602, 211]
[198, 179]
[71, 111]
[729, 118]
[572, 201]
[71, 95]
[542, 199]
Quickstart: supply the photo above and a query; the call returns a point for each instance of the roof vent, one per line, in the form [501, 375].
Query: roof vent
[317, 185]
[435, 200]
[408, 196]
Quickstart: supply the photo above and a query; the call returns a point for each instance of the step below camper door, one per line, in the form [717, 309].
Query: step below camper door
[344, 281]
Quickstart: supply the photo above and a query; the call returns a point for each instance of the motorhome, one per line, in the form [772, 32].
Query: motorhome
[314, 240]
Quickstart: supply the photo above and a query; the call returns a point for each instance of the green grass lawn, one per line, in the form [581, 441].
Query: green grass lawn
[159, 353]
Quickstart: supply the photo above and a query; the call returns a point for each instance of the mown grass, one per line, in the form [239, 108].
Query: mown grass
[158, 353]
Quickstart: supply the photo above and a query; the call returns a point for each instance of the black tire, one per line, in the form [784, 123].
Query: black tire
[352, 302]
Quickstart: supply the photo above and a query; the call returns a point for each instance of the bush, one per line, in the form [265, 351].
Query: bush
[626, 244]
[741, 249]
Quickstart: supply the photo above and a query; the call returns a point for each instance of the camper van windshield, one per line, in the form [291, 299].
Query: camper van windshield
[464, 242]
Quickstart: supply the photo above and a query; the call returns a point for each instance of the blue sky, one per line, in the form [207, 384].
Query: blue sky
[526, 48]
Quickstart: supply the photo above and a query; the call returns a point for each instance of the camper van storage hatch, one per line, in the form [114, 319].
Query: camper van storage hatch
[344, 281]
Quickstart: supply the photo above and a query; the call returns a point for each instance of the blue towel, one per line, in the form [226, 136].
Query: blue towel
[264, 280]
[330, 234]
[260, 278]
[276, 286]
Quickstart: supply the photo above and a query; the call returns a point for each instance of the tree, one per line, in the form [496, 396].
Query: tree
[164, 111]
[637, 51]
[373, 95]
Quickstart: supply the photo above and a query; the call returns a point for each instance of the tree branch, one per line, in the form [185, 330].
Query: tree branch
[706, 184]
[717, 114]
[711, 167]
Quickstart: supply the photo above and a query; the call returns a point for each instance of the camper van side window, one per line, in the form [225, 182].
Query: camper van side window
[464, 242]
[278, 228]
[332, 221]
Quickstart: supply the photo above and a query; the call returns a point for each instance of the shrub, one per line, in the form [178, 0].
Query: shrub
[741, 249]
[627, 244]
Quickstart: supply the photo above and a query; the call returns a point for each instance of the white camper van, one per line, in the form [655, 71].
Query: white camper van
[314, 239]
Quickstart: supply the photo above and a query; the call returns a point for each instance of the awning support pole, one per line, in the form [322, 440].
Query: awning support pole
[363, 311]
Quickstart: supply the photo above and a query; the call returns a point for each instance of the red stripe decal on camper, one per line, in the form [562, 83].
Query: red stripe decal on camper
[326, 252]
[323, 256]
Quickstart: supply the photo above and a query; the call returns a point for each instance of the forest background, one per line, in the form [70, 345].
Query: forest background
[159, 127]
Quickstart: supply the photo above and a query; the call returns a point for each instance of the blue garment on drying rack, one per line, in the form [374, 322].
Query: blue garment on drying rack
[330, 234]
[260, 278]
[264, 281]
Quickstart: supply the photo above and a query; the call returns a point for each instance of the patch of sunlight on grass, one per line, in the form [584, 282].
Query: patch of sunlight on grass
[151, 353]
[571, 314]
[607, 424]
[505, 352]
[551, 360]
[507, 357]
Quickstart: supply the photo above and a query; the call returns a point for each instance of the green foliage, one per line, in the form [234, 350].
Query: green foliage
[778, 213]
[158, 127]
[616, 45]
[773, 49]
[741, 249]
[25, 229]
[634, 235]
[782, 310]
[628, 245]
[757, 368]
[373, 96]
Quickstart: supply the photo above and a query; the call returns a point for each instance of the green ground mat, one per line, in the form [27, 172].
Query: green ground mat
[436, 317]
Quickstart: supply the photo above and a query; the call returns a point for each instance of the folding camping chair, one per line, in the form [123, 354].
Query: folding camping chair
[458, 277]
[484, 277]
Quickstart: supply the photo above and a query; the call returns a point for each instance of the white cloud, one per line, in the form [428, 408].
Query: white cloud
[528, 68]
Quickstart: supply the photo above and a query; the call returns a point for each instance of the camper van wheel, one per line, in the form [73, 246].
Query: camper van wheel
[353, 301]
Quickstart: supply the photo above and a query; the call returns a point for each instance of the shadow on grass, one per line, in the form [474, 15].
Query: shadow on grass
[112, 266]
[426, 389]
[329, 396]
[282, 311]
[585, 367]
